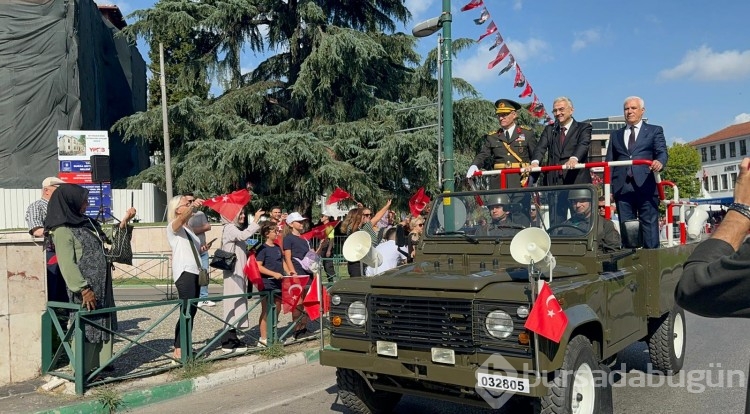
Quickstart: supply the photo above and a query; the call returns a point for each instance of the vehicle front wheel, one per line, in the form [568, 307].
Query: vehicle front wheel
[579, 386]
[359, 398]
[666, 342]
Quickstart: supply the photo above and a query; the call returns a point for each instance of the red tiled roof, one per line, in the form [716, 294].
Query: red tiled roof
[732, 131]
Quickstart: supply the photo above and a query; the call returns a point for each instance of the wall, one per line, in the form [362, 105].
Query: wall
[23, 298]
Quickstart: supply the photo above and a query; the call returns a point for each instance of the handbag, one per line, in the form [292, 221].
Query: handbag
[121, 251]
[202, 273]
[223, 260]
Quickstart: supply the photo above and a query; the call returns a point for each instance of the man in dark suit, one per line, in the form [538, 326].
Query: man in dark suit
[565, 143]
[508, 147]
[634, 187]
[715, 280]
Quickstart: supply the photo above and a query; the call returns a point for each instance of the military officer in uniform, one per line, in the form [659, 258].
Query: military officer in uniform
[510, 146]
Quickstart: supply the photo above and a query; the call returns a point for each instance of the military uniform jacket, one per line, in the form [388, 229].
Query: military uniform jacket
[522, 141]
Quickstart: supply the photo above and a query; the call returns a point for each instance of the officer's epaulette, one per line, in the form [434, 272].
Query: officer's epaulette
[525, 127]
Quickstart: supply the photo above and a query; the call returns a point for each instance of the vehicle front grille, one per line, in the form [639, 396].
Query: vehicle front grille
[421, 323]
[487, 342]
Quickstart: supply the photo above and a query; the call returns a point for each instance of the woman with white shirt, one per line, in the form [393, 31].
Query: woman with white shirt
[184, 267]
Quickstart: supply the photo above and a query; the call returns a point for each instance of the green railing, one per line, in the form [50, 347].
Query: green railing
[143, 352]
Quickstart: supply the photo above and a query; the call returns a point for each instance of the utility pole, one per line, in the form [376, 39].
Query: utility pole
[449, 175]
[165, 123]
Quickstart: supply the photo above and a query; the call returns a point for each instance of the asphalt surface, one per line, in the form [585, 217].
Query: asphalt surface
[717, 352]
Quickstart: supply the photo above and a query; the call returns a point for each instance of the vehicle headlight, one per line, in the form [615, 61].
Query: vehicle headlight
[335, 300]
[357, 313]
[499, 324]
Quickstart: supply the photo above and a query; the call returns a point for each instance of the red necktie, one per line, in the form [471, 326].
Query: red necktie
[562, 136]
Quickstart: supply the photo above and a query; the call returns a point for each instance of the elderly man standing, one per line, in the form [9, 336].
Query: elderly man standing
[635, 187]
[510, 146]
[36, 212]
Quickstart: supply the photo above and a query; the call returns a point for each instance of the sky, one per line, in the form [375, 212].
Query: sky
[689, 60]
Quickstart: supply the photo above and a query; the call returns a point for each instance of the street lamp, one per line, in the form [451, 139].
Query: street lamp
[427, 28]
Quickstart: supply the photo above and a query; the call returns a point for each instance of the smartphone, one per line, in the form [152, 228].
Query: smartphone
[210, 243]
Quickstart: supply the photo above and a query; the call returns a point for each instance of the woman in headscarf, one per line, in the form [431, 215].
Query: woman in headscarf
[233, 239]
[83, 264]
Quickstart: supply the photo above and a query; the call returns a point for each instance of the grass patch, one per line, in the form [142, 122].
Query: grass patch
[109, 398]
[274, 351]
[194, 368]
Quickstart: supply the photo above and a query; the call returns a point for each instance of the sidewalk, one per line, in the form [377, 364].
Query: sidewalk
[29, 397]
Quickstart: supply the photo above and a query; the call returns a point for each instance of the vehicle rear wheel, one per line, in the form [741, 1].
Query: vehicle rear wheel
[579, 385]
[359, 398]
[666, 342]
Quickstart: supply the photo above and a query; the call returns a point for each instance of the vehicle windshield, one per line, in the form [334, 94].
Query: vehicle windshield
[496, 214]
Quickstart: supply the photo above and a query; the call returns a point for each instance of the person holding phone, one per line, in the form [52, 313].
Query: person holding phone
[199, 224]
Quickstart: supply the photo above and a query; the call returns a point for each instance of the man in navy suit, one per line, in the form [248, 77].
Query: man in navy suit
[565, 143]
[634, 187]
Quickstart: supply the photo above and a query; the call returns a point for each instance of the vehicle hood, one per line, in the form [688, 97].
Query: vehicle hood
[424, 276]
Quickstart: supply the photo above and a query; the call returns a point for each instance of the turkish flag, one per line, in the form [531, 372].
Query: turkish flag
[229, 205]
[501, 54]
[527, 91]
[291, 291]
[337, 195]
[312, 301]
[547, 317]
[320, 232]
[52, 260]
[418, 202]
[252, 271]
[473, 4]
[491, 28]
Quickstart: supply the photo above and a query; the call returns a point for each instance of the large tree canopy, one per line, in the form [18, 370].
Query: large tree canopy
[342, 100]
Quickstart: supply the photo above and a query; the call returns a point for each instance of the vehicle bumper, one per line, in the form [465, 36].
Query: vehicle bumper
[419, 368]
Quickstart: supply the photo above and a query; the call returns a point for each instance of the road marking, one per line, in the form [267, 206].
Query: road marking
[291, 399]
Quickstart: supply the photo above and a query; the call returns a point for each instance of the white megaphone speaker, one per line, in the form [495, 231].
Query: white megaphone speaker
[532, 245]
[358, 247]
[696, 220]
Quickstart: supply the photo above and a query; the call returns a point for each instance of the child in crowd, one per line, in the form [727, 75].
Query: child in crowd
[272, 269]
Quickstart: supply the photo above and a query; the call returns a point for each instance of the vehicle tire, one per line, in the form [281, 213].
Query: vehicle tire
[666, 342]
[578, 385]
[359, 398]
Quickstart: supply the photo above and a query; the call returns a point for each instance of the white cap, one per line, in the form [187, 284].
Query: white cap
[52, 181]
[291, 218]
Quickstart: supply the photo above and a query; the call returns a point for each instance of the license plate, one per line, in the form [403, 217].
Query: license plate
[503, 383]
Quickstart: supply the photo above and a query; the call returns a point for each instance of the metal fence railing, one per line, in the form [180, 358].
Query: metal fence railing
[143, 337]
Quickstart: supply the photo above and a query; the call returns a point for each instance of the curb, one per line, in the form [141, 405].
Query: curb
[159, 393]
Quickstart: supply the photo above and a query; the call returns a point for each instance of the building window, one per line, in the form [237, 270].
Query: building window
[722, 151]
[732, 150]
[713, 153]
[714, 183]
[705, 183]
[704, 154]
[734, 179]
[743, 147]
[724, 182]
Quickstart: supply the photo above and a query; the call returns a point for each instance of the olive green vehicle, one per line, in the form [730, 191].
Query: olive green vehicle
[450, 325]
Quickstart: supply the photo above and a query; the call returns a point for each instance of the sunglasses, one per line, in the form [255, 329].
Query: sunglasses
[367, 215]
[602, 206]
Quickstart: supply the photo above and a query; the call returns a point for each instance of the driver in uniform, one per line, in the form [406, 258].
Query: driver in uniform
[503, 223]
[607, 235]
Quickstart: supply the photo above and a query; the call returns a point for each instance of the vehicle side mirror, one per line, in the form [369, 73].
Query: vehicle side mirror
[631, 234]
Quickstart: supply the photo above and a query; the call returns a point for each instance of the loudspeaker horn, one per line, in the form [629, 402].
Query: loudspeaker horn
[696, 220]
[358, 247]
[532, 244]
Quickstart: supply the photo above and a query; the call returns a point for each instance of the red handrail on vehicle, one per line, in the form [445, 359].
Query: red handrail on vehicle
[606, 167]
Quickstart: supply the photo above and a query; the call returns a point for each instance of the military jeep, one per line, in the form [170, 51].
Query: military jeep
[450, 325]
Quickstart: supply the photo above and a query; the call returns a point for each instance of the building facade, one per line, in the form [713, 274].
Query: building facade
[721, 153]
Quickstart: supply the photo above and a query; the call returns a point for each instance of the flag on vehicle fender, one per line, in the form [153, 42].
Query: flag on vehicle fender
[292, 288]
[312, 301]
[547, 317]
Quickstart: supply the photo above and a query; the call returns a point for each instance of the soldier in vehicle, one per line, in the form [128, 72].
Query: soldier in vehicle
[502, 222]
[580, 222]
[510, 146]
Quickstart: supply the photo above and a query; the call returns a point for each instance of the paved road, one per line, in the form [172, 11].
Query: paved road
[714, 348]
